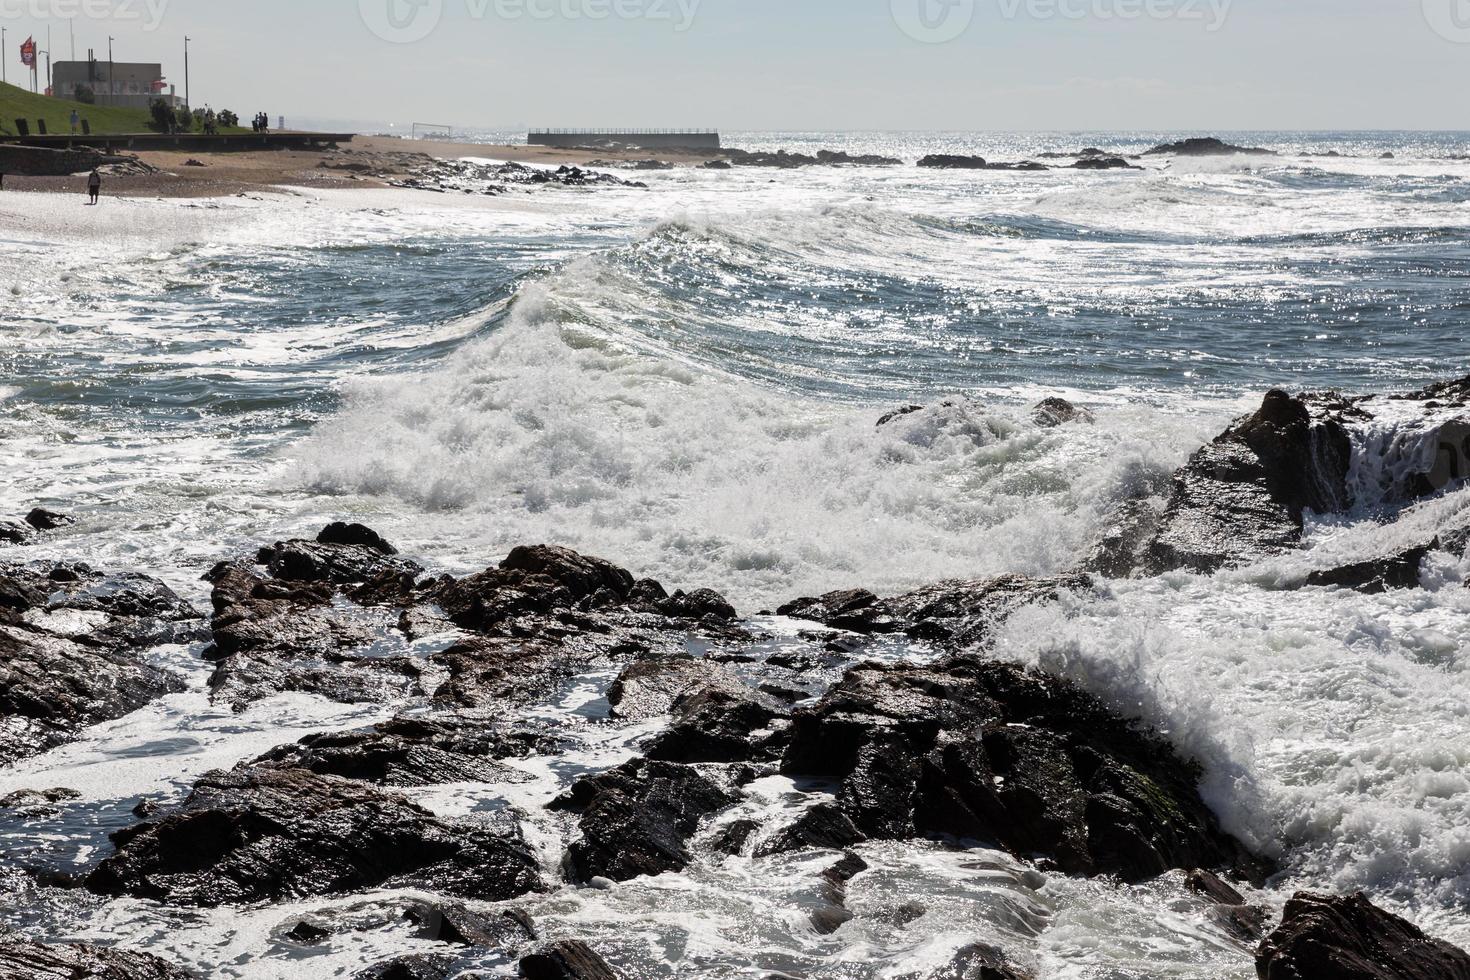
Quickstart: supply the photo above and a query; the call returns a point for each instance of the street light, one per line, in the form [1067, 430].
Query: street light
[111, 75]
[187, 101]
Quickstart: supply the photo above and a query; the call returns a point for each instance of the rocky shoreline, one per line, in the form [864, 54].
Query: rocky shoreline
[957, 748]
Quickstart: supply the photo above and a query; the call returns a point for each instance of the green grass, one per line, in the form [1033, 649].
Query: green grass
[17, 103]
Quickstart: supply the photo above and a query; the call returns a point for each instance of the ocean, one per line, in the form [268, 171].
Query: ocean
[686, 379]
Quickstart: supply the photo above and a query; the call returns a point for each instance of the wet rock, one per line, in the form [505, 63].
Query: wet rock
[649, 688]
[697, 605]
[825, 826]
[836, 914]
[409, 752]
[899, 413]
[307, 933]
[1243, 497]
[356, 535]
[786, 160]
[534, 580]
[16, 532]
[723, 721]
[335, 563]
[987, 751]
[30, 804]
[52, 688]
[1207, 146]
[22, 960]
[1053, 412]
[485, 672]
[568, 959]
[981, 962]
[413, 968]
[1377, 575]
[637, 819]
[1327, 938]
[952, 613]
[265, 834]
[953, 161]
[48, 520]
[1104, 163]
[460, 926]
[1228, 908]
[1123, 544]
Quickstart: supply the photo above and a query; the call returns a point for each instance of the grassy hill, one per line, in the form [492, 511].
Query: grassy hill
[17, 103]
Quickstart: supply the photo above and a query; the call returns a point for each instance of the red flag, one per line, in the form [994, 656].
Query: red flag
[28, 53]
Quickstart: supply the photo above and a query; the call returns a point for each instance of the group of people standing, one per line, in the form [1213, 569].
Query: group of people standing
[262, 122]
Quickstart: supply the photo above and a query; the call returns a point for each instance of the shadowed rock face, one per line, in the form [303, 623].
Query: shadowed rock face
[263, 834]
[569, 959]
[987, 751]
[21, 960]
[637, 819]
[1326, 938]
[1242, 497]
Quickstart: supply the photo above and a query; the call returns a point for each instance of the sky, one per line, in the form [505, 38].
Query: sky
[795, 64]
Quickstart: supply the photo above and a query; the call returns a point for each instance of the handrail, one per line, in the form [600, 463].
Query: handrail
[624, 132]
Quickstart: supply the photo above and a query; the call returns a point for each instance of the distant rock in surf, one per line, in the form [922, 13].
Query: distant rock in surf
[1326, 938]
[947, 161]
[1207, 146]
[1052, 412]
[786, 160]
[1104, 163]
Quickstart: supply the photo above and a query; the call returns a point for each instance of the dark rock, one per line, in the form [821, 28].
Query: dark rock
[416, 752]
[1205, 147]
[786, 160]
[637, 819]
[484, 672]
[1243, 497]
[1104, 163]
[337, 564]
[413, 968]
[536, 580]
[265, 834]
[1377, 575]
[717, 165]
[854, 610]
[825, 826]
[1123, 544]
[981, 962]
[568, 959]
[987, 751]
[307, 934]
[355, 534]
[14, 532]
[52, 688]
[30, 804]
[1053, 412]
[899, 413]
[953, 161]
[1228, 907]
[22, 960]
[649, 688]
[1327, 938]
[723, 722]
[697, 605]
[459, 926]
[46, 520]
[732, 837]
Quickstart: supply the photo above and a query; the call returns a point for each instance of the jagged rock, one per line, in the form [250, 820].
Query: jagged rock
[264, 834]
[335, 563]
[1228, 907]
[534, 580]
[484, 672]
[697, 605]
[22, 960]
[568, 959]
[987, 751]
[825, 826]
[784, 159]
[1377, 575]
[416, 752]
[899, 413]
[16, 532]
[1207, 146]
[1327, 938]
[981, 962]
[956, 614]
[418, 967]
[1243, 496]
[1123, 544]
[723, 721]
[52, 688]
[48, 520]
[1053, 412]
[30, 804]
[459, 926]
[637, 819]
[649, 688]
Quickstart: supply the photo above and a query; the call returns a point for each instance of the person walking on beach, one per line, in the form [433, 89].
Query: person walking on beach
[94, 186]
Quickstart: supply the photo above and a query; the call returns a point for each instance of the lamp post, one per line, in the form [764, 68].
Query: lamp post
[3, 48]
[187, 101]
[111, 75]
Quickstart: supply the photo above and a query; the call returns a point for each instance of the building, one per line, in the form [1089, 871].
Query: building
[130, 85]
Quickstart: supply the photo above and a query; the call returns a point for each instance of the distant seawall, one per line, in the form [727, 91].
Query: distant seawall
[653, 139]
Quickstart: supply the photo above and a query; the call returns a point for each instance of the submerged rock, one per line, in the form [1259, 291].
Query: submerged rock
[1377, 575]
[417, 967]
[980, 961]
[1053, 412]
[987, 751]
[265, 834]
[1104, 163]
[637, 819]
[1326, 938]
[568, 959]
[22, 960]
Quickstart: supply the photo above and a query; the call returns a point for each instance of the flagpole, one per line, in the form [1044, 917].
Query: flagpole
[2, 57]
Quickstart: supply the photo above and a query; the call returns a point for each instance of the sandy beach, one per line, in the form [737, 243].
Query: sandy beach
[368, 161]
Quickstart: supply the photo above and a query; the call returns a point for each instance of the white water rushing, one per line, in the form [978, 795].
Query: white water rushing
[686, 381]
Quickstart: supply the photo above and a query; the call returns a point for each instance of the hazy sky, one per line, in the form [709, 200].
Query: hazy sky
[799, 64]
